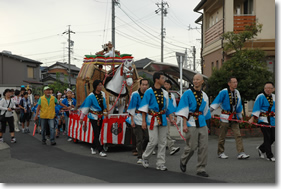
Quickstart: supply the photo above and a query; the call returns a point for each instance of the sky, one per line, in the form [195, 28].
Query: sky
[33, 29]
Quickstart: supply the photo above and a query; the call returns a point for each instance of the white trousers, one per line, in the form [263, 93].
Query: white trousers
[157, 136]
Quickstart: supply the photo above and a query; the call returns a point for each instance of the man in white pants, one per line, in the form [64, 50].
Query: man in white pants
[155, 103]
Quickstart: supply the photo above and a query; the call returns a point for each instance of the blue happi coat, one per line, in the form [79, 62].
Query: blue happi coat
[91, 103]
[222, 101]
[149, 102]
[173, 103]
[133, 106]
[188, 104]
[262, 105]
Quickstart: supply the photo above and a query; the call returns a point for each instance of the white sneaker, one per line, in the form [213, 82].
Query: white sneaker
[93, 152]
[242, 155]
[161, 167]
[271, 159]
[1, 140]
[23, 130]
[260, 152]
[13, 140]
[153, 153]
[139, 161]
[145, 163]
[223, 156]
[69, 140]
[174, 150]
[17, 129]
[102, 154]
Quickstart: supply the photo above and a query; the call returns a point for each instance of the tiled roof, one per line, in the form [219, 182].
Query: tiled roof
[21, 58]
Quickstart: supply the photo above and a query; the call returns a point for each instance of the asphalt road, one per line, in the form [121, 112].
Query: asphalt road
[28, 161]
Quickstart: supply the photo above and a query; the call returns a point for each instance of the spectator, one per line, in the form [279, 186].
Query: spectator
[16, 114]
[70, 103]
[46, 105]
[12, 93]
[6, 106]
[33, 110]
[25, 108]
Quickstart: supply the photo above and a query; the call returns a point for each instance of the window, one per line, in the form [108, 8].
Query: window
[30, 72]
[212, 67]
[217, 64]
[217, 19]
[248, 7]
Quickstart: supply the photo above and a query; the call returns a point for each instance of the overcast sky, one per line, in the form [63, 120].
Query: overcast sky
[33, 28]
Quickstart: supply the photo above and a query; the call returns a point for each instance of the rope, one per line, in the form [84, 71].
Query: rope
[240, 121]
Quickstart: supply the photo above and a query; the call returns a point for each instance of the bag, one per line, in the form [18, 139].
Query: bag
[2, 117]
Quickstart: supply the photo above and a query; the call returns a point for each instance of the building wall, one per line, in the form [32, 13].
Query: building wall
[59, 70]
[210, 62]
[265, 14]
[14, 71]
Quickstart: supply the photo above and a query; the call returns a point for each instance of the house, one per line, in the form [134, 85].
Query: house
[48, 74]
[221, 16]
[16, 71]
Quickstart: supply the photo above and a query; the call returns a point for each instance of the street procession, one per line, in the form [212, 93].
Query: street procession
[118, 118]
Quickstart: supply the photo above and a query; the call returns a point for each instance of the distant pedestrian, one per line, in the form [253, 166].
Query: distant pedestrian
[16, 114]
[6, 106]
[46, 106]
[230, 101]
[25, 108]
[264, 111]
[70, 103]
[33, 110]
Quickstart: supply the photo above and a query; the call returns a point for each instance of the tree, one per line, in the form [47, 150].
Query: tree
[247, 65]
[58, 85]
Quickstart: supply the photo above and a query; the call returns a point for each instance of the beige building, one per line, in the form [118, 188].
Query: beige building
[220, 16]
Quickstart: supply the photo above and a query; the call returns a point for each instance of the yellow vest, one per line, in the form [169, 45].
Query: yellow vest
[47, 111]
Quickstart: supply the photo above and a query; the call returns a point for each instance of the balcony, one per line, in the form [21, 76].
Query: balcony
[241, 21]
[214, 33]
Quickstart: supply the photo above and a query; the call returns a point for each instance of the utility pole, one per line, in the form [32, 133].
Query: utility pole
[164, 12]
[70, 44]
[114, 2]
[194, 53]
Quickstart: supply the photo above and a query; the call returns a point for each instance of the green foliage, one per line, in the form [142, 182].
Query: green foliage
[149, 80]
[247, 65]
[58, 85]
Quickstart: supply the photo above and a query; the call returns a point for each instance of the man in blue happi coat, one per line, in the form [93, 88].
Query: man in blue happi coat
[95, 106]
[194, 109]
[264, 111]
[155, 103]
[229, 100]
[135, 119]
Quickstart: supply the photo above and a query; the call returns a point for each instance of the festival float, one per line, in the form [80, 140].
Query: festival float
[120, 79]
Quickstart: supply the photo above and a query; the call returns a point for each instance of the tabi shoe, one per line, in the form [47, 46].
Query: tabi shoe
[271, 159]
[261, 155]
[182, 167]
[202, 174]
[223, 156]
[145, 163]
[139, 161]
[13, 140]
[102, 154]
[242, 155]
[161, 167]
[174, 150]
[93, 151]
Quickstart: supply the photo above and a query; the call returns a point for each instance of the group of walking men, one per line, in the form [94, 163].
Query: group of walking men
[151, 109]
